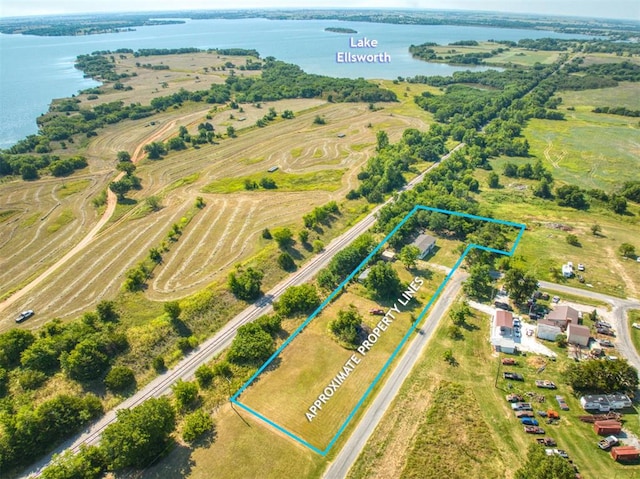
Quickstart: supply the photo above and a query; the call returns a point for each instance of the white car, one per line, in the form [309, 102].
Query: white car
[580, 267]
[25, 315]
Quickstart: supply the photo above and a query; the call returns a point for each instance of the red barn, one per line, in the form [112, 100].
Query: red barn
[607, 428]
[625, 453]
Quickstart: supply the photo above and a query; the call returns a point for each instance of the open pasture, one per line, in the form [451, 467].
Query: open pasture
[225, 232]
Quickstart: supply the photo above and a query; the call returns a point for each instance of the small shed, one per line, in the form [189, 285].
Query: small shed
[607, 427]
[548, 330]
[625, 453]
[364, 275]
[577, 334]
[426, 244]
[388, 255]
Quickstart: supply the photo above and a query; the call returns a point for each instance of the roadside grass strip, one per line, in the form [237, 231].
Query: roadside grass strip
[312, 402]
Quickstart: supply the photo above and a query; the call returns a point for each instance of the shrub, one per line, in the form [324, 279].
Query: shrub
[119, 379]
[196, 424]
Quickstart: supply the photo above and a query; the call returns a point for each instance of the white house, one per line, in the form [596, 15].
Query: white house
[425, 244]
[502, 332]
[548, 330]
[605, 402]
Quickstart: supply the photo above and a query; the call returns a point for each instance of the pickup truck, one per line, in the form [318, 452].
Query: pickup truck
[546, 441]
[509, 362]
[608, 442]
[514, 398]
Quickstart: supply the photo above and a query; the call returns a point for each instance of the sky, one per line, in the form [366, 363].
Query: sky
[625, 9]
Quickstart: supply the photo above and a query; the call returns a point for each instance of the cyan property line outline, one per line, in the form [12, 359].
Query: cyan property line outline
[405, 338]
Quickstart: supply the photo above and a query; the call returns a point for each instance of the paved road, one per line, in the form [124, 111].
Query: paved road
[358, 438]
[222, 340]
[619, 309]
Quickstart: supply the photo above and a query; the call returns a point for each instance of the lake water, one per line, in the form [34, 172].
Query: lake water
[35, 70]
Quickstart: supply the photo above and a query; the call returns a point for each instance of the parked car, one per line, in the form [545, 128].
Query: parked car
[561, 402]
[516, 333]
[557, 452]
[546, 384]
[515, 398]
[546, 441]
[502, 305]
[542, 413]
[513, 376]
[606, 343]
[580, 267]
[533, 430]
[529, 421]
[521, 414]
[605, 331]
[509, 361]
[522, 406]
[556, 299]
[377, 312]
[534, 316]
[24, 315]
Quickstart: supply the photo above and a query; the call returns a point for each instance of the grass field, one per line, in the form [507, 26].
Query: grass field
[313, 359]
[490, 442]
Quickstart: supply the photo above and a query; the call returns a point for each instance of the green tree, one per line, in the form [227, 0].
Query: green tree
[303, 236]
[383, 281]
[268, 183]
[245, 284]
[155, 150]
[196, 424]
[231, 132]
[172, 308]
[459, 313]
[86, 361]
[317, 246]
[409, 254]
[127, 167]
[479, 284]
[158, 364]
[596, 229]
[120, 379]
[347, 326]
[107, 312]
[541, 466]
[120, 188]
[382, 140]
[204, 376]
[297, 300]
[266, 234]
[543, 190]
[29, 172]
[318, 120]
[627, 250]
[123, 156]
[89, 463]
[185, 394]
[520, 285]
[12, 343]
[618, 204]
[602, 376]
[283, 236]
[139, 435]
[286, 262]
[561, 340]
[154, 203]
[573, 240]
[493, 180]
[251, 346]
[327, 280]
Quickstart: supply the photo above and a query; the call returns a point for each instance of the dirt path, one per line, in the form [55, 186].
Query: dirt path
[628, 280]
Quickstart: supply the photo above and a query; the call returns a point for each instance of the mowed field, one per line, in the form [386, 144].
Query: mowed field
[312, 360]
[590, 149]
[225, 232]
